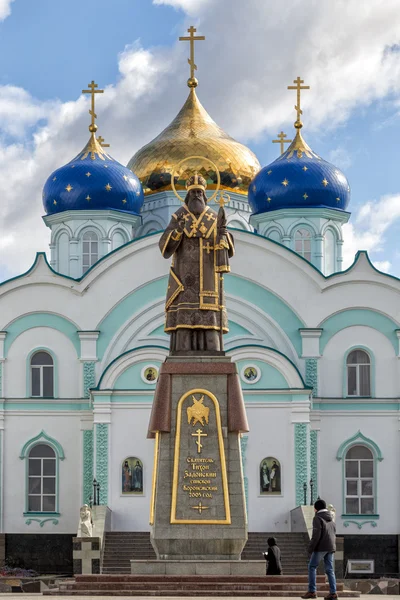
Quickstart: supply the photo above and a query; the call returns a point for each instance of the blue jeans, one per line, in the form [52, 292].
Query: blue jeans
[316, 558]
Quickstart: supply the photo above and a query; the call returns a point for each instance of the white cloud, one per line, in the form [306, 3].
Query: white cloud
[367, 231]
[382, 265]
[5, 9]
[343, 49]
[341, 158]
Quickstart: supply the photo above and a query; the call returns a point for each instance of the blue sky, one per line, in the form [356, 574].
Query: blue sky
[50, 50]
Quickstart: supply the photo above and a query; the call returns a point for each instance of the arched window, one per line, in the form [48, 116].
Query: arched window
[274, 234]
[358, 366]
[42, 375]
[90, 250]
[302, 243]
[359, 481]
[42, 479]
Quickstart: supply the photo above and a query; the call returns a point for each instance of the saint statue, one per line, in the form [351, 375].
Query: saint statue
[85, 521]
[200, 246]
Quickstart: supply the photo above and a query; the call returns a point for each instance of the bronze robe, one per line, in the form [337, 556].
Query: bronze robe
[199, 255]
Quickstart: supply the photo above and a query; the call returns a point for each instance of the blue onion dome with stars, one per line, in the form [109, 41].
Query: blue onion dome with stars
[299, 178]
[93, 180]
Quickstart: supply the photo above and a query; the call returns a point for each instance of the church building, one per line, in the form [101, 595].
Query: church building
[317, 347]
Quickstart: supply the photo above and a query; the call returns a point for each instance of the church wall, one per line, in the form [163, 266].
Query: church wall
[20, 427]
[383, 430]
[384, 363]
[271, 434]
[128, 438]
[67, 366]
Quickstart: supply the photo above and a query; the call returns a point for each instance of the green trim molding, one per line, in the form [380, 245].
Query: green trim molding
[102, 460]
[29, 372]
[359, 438]
[314, 460]
[87, 465]
[312, 374]
[243, 448]
[301, 460]
[42, 436]
[41, 521]
[69, 329]
[360, 524]
[359, 316]
[89, 378]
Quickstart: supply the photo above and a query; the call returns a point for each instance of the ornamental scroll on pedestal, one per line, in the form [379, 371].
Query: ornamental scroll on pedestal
[198, 410]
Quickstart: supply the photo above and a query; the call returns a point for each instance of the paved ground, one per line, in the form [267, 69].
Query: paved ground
[35, 596]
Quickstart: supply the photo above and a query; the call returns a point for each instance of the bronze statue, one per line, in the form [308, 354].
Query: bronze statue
[201, 246]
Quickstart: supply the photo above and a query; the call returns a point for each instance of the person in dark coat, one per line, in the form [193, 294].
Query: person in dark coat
[322, 546]
[273, 558]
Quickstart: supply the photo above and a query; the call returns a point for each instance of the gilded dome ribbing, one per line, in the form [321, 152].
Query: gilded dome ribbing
[193, 132]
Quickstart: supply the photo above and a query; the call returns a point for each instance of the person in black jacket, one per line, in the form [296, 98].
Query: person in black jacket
[273, 558]
[322, 546]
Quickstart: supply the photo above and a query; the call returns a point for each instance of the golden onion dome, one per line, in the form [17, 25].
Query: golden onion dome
[194, 133]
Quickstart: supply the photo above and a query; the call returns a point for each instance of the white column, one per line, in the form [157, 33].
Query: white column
[74, 270]
[339, 255]
[319, 252]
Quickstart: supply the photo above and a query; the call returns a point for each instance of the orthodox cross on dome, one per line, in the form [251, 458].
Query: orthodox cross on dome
[92, 90]
[298, 87]
[101, 142]
[281, 140]
[192, 81]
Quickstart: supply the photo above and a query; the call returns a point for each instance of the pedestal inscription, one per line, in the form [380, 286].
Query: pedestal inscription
[200, 492]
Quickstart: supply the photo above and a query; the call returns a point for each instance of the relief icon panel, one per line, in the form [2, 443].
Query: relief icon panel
[270, 476]
[132, 476]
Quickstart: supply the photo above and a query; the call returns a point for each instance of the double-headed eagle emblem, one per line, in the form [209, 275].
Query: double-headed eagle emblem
[198, 412]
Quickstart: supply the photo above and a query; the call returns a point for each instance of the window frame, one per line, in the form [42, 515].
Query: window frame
[95, 233]
[359, 479]
[42, 477]
[359, 439]
[302, 239]
[45, 439]
[371, 372]
[29, 374]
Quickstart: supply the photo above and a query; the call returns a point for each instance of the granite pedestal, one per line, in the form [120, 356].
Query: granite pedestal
[199, 505]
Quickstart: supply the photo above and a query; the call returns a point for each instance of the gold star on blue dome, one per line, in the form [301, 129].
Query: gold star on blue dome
[285, 182]
[325, 181]
[108, 187]
[69, 187]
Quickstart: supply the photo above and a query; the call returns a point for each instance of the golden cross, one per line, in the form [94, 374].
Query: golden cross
[92, 90]
[208, 247]
[210, 217]
[101, 142]
[200, 507]
[194, 227]
[192, 39]
[281, 140]
[199, 434]
[298, 87]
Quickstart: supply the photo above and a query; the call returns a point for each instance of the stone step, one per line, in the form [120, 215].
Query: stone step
[193, 593]
[321, 579]
[199, 585]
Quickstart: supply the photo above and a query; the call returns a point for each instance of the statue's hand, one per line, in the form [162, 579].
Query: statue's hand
[222, 230]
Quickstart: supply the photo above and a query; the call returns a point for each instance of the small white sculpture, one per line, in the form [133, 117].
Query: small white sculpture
[86, 523]
[332, 510]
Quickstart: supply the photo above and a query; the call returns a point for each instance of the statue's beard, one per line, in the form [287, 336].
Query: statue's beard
[196, 205]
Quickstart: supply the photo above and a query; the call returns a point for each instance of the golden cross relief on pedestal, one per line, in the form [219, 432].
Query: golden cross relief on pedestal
[199, 434]
[200, 507]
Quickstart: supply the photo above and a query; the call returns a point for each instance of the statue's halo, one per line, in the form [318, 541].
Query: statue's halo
[206, 161]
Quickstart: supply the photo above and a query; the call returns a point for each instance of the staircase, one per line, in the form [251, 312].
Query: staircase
[293, 546]
[199, 585]
[122, 547]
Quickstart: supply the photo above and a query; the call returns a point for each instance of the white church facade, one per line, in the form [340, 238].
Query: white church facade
[82, 338]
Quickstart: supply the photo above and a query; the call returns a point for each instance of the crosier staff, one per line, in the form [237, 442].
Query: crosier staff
[222, 248]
